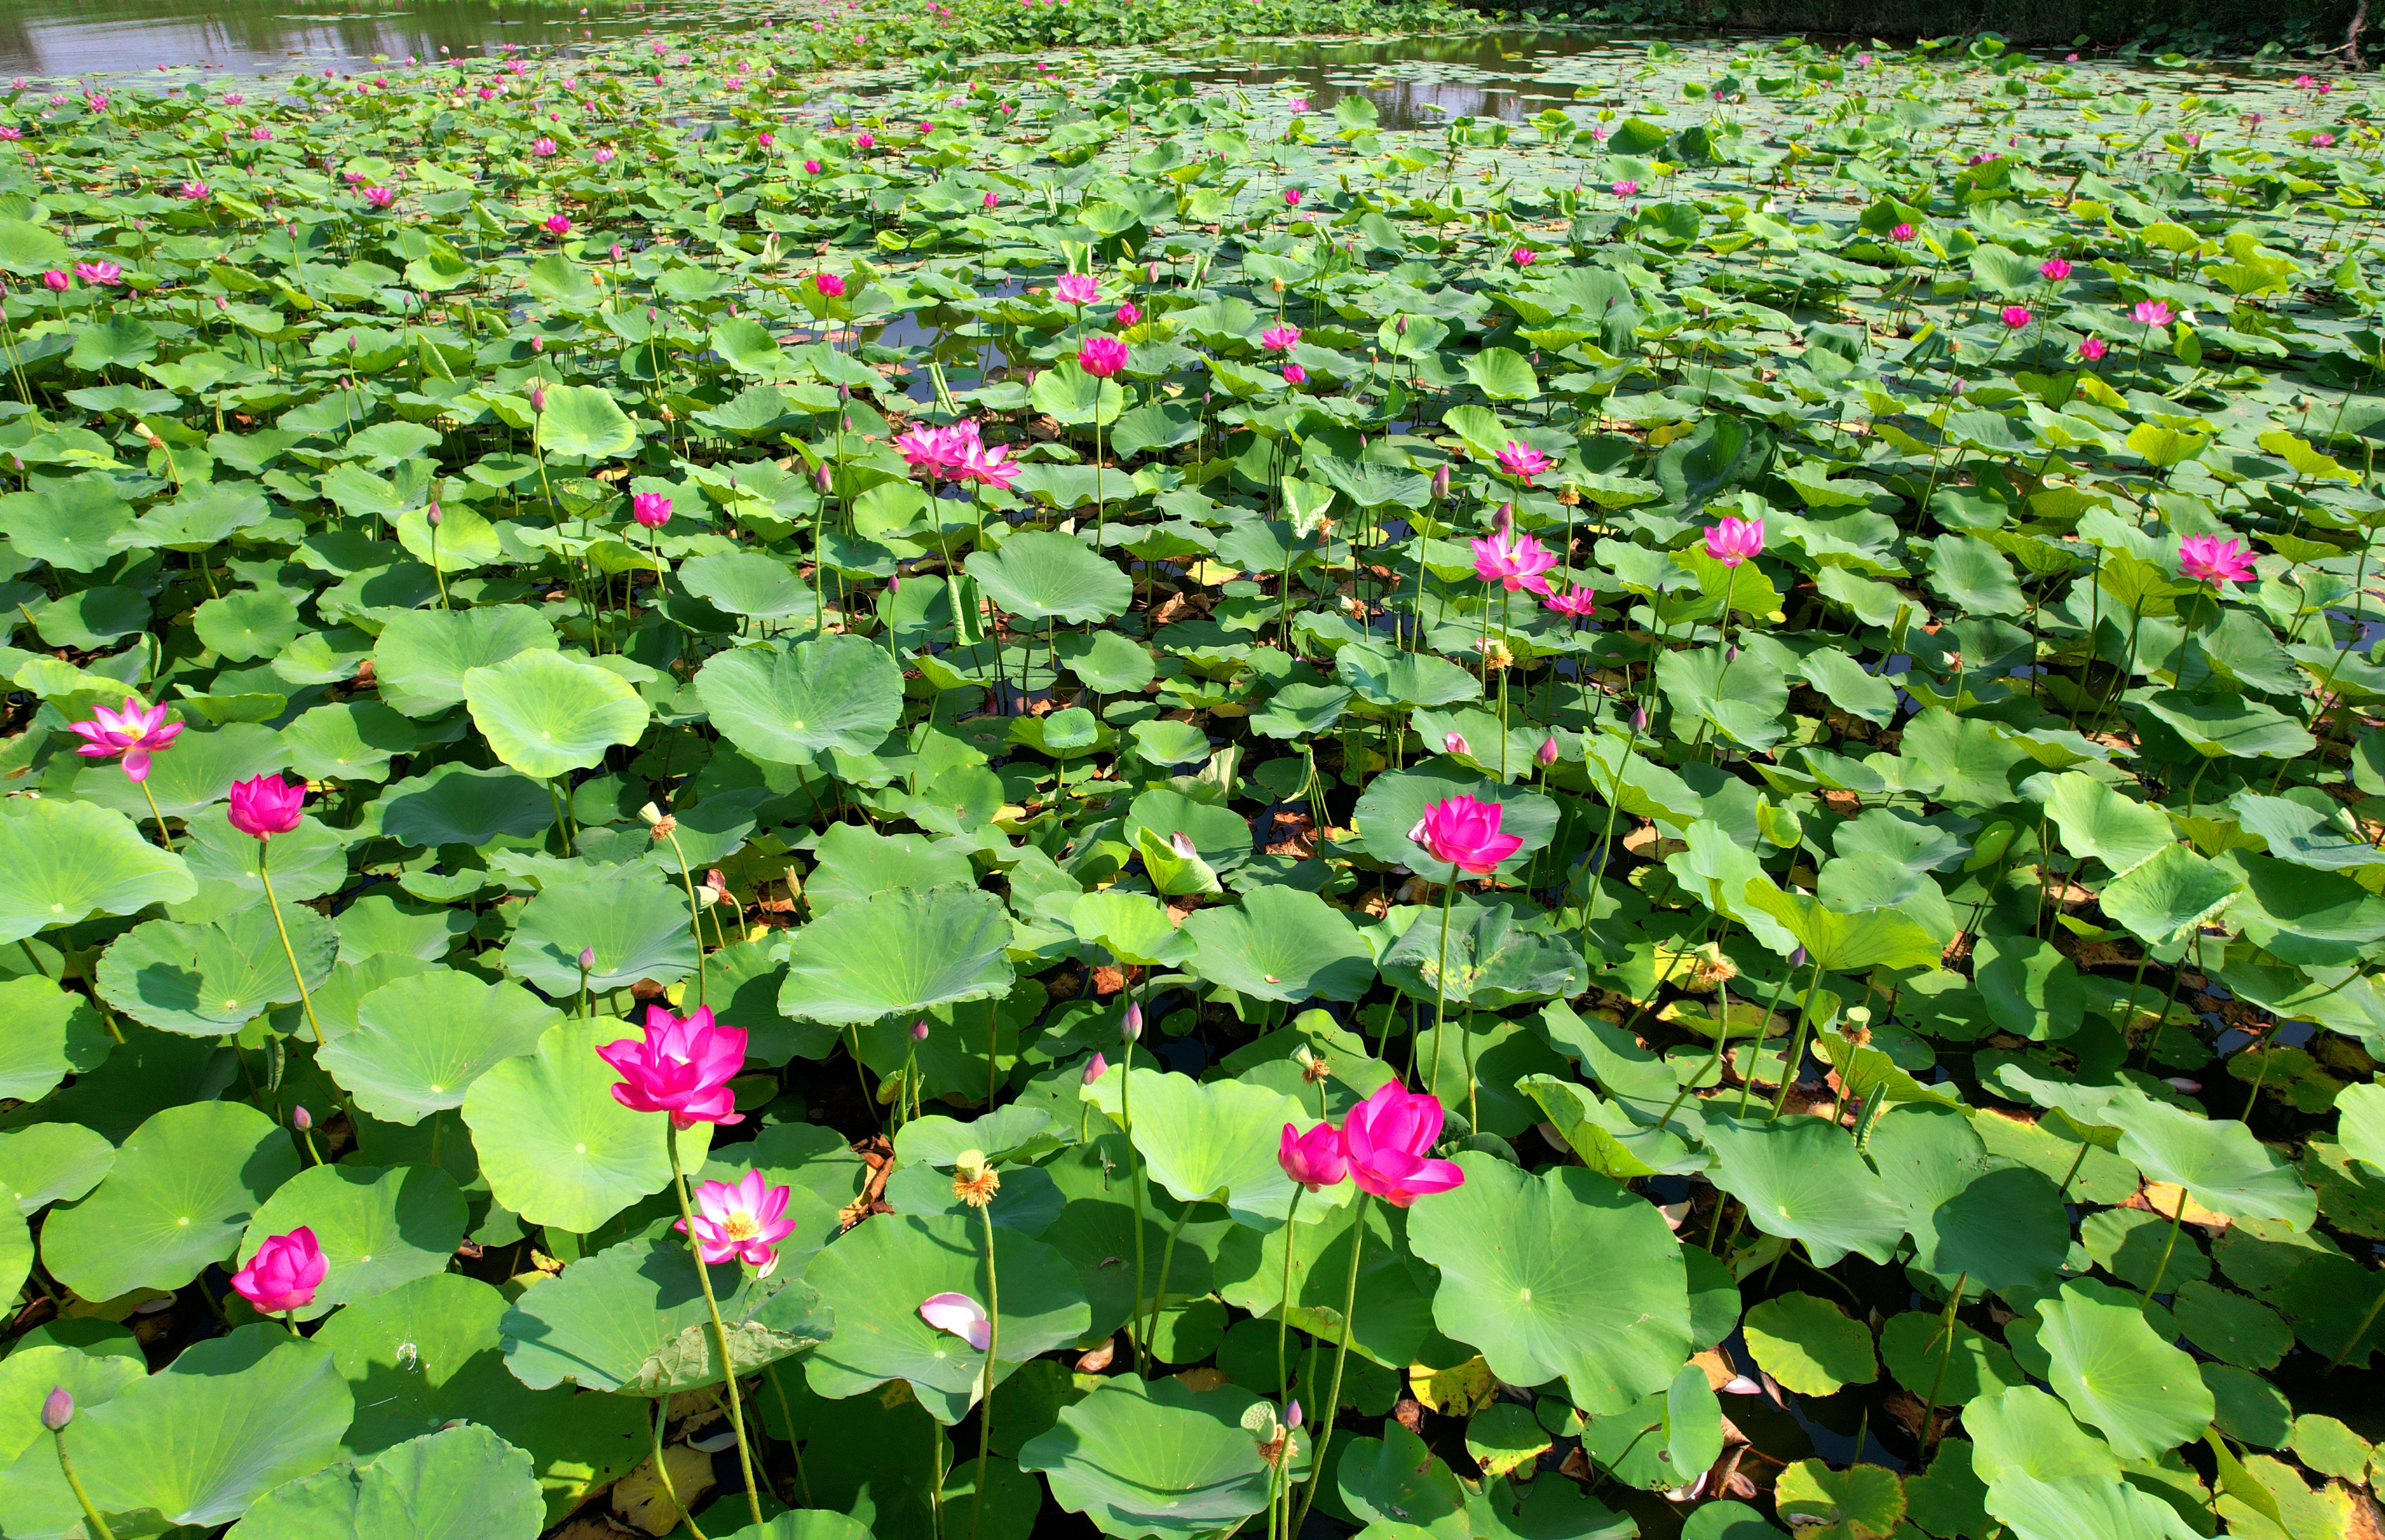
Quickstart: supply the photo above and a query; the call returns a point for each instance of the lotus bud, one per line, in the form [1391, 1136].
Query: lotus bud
[1548, 751]
[1797, 958]
[1292, 1416]
[1730, 653]
[1640, 718]
[1400, 325]
[1095, 1067]
[1441, 485]
[617, 250]
[537, 344]
[434, 515]
[587, 959]
[1131, 1030]
[57, 1408]
[920, 1031]
[538, 398]
[301, 1118]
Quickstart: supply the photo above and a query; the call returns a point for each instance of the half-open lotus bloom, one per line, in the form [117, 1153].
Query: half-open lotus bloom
[1513, 561]
[1581, 604]
[284, 1273]
[1077, 288]
[1385, 1139]
[1465, 833]
[266, 806]
[740, 1220]
[2151, 313]
[134, 732]
[1279, 339]
[2209, 559]
[682, 1067]
[829, 285]
[2016, 316]
[960, 1315]
[1735, 540]
[1521, 460]
[987, 468]
[1315, 1158]
[1101, 357]
[652, 510]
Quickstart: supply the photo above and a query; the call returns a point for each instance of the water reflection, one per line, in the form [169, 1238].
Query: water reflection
[1422, 82]
[77, 37]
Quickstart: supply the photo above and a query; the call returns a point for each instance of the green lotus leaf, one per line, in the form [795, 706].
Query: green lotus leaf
[1134, 927]
[632, 1318]
[254, 623]
[2220, 726]
[584, 420]
[1397, 1322]
[421, 1041]
[636, 923]
[2002, 1226]
[1809, 1345]
[1281, 943]
[185, 1186]
[306, 863]
[1215, 1142]
[556, 1147]
[2082, 1508]
[52, 1034]
[456, 804]
[1564, 1275]
[1803, 1180]
[1386, 678]
[423, 655]
[1865, 1502]
[68, 861]
[2117, 1374]
[460, 1483]
[874, 1278]
[1043, 575]
[378, 1228]
[1067, 394]
[544, 714]
[2219, 1164]
[2170, 896]
[786, 706]
[1494, 961]
[898, 953]
[1394, 803]
[427, 1353]
[747, 583]
[51, 1162]
[2097, 821]
[1960, 1368]
[1153, 1458]
[204, 981]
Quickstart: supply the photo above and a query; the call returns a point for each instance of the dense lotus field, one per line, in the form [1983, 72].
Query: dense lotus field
[1663, 821]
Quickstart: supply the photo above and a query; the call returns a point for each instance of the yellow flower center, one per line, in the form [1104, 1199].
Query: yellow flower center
[742, 1225]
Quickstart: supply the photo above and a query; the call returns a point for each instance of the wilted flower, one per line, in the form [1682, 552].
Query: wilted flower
[974, 1181]
[960, 1315]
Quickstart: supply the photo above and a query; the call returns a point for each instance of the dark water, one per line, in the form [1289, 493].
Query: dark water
[79, 37]
[1422, 82]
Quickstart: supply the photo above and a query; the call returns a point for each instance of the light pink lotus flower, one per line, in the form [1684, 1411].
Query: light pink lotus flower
[2093, 348]
[1315, 1158]
[1465, 833]
[603, 155]
[1580, 605]
[982, 465]
[1077, 288]
[2016, 316]
[1128, 314]
[1734, 540]
[1521, 460]
[541, 147]
[284, 1273]
[2209, 559]
[1903, 232]
[652, 510]
[1279, 339]
[960, 1315]
[135, 732]
[1386, 1137]
[193, 190]
[930, 450]
[1455, 744]
[265, 805]
[1101, 357]
[682, 1067]
[743, 1219]
[379, 197]
[99, 274]
[1300, 104]
[2322, 141]
[1625, 187]
[1512, 561]
[2152, 313]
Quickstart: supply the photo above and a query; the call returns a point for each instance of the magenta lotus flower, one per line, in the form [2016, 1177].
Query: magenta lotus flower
[829, 286]
[379, 197]
[960, 1315]
[1521, 460]
[1903, 232]
[1077, 288]
[1735, 540]
[926, 449]
[541, 147]
[2209, 559]
[1385, 1138]
[1513, 561]
[1580, 605]
[2054, 270]
[2152, 313]
[557, 224]
[984, 466]
[865, 142]
[56, 282]
[1101, 357]
[991, 199]
[812, 168]
[1291, 196]
[193, 190]
[1279, 339]
[284, 1273]
[682, 1067]
[1625, 187]
[135, 732]
[1294, 375]
[1128, 314]
[1522, 256]
[652, 510]
[99, 274]
[1315, 1158]
[1465, 833]
[740, 1220]
[2016, 316]
[265, 805]
[2093, 348]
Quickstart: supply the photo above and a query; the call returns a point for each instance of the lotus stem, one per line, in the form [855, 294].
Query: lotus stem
[1938, 1381]
[1440, 987]
[66, 1468]
[992, 1344]
[720, 1332]
[662, 1468]
[694, 915]
[163, 837]
[1332, 1408]
[296, 976]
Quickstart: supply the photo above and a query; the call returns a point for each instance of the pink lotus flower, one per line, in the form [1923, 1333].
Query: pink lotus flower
[1294, 375]
[603, 155]
[379, 197]
[960, 1315]
[1581, 604]
[2054, 270]
[1077, 288]
[1315, 1158]
[265, 805]
[1521, 256]
[742, 1221]
[830, 287]
[764, 140]
[56, 282]
[864, 142]
[11, 133]
[2321, 141]
[1101, 357]
[1625, 187]
[1300, 104]
[193, 190]
[1385, 1138]
[1521, 460]
[261, 134]
[135, 732]
[1291, 196]
[2209, 559]
[2016, 316]
[987, 468]
[284, 1273]
[1903, 232]
[1512, 561]
[1279, 339]
[652, 510]
[541, 147]
[2152, 313]
[1128, 314]
[1734, 540]
[991, 199]
[2093, 348]
[2303, 82]
[558, 225]
[682, 1067]
[812, 168]
[1465, 833]
[99, 274]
